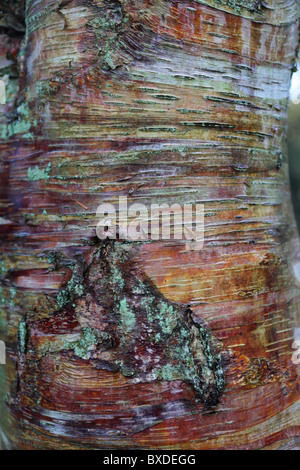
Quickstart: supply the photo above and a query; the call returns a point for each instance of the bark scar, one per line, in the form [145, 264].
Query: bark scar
[119, 321]
[151, 338]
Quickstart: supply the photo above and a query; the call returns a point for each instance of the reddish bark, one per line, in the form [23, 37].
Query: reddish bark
[161, 101]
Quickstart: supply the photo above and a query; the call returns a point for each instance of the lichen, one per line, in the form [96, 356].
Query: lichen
[36, 173]
[73, 288]
[148, 337]
[12, 295]
[3, 268]
[63, 298]
[22, 122]
[110, 26]
[85, 343]
[239, 5]
[125, 324]
[22, 336]
[127, 316]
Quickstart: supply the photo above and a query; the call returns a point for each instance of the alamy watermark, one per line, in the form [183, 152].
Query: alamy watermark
[2, 353]
[137, 222]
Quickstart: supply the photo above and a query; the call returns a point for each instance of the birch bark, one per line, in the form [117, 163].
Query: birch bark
[147, 345]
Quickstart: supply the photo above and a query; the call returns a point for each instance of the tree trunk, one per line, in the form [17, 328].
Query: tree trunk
[146, 344]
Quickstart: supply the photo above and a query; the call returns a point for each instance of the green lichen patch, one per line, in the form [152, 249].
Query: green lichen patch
[87, 341]
[108, 27]
[22, 122]
[3, 268]
[74, 288]
[113, 316]
[22, 336]
[148, 337]
[127, 315]
[239, 5]
[37, 174]
[117, 35]
[8, 296]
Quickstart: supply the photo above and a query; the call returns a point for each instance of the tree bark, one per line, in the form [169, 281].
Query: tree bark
[112, 344]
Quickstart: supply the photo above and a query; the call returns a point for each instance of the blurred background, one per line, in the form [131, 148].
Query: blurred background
[294, 142]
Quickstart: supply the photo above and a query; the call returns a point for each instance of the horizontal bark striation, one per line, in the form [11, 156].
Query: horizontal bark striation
[161, 101]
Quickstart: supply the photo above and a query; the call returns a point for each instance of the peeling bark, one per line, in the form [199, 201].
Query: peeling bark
[146, 345]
